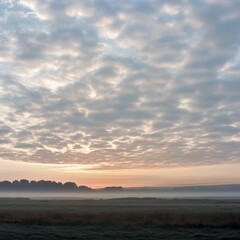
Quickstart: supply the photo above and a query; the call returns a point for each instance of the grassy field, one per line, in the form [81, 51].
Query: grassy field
[120, 219]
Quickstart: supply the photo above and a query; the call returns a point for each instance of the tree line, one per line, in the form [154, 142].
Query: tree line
[42, 185]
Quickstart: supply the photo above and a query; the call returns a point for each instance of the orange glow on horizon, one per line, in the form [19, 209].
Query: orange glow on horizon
[214, 174]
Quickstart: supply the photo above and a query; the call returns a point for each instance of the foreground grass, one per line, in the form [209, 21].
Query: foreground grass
[158, 212]
[176, 219]
[120, 219]
[102, 232]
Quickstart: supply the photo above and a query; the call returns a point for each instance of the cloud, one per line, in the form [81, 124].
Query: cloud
[120, 85]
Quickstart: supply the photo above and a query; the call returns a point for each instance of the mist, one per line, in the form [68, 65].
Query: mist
[165, 194]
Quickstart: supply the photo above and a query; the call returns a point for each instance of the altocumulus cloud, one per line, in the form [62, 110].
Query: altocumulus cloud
[120, 84]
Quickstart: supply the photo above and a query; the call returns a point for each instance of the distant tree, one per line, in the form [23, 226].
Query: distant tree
[113, 189]
[41, 185]
[5, 185]
[70, 186]
[84, 188]
[24, 184]
[15, 185]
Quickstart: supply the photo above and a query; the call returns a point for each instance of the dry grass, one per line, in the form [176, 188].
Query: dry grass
[119, 219]
[181, 213]
[181, 219]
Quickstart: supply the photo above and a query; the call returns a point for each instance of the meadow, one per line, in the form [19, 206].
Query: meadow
[129, 218]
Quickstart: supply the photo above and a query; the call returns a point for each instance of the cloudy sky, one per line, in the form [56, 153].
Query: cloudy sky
[129, 91]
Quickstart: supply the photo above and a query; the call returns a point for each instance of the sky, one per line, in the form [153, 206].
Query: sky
[128, 92]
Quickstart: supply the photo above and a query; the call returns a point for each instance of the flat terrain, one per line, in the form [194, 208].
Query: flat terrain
[129, 218]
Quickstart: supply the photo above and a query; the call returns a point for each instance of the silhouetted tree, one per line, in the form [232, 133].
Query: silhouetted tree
[25, 185]
[113, 189]
[70, 186]
[5, 185]
[84, 188]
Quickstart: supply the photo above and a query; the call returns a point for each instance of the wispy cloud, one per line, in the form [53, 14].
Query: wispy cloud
[123, 84]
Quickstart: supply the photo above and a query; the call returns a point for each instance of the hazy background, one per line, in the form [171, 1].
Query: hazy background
[140, 194]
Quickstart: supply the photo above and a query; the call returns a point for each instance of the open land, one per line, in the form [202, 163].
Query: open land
[128, 218]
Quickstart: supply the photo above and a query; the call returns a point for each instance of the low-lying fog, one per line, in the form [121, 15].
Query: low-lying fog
[123, 194]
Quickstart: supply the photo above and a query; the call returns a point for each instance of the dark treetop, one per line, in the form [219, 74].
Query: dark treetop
[26, 185]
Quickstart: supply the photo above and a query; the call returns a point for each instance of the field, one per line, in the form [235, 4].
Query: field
[129, 218]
